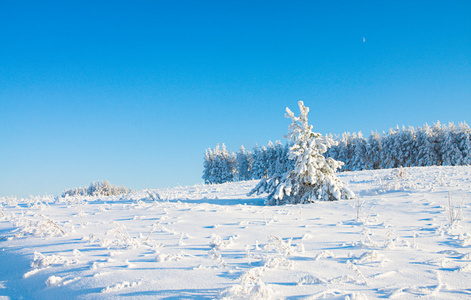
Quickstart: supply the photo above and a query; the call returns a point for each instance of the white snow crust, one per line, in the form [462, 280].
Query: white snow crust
[408, 235]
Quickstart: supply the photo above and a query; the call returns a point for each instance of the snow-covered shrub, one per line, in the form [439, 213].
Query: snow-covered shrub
[97, 188]
[250, 286]
[313, 177]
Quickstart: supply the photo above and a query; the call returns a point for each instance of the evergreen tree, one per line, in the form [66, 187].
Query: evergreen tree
[373, 151]
[208, 166]
[271, 159]
[345, 152]
[244, 164]
[219, 166]
[259, 168]
[281, 160]
[427, 155]
[313, 177]
[407, 146]
[450, 152]
[464, 142]
[438, 135]
[215, 174]
[228, 168]
[333, 151]
[359, 153]
[389, 151]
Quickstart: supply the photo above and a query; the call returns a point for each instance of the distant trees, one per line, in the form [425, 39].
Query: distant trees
[406, 147]
[439, 144]
[97, 188]
[244, 161]
[219, 165]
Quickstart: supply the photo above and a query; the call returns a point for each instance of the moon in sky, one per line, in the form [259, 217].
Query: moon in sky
[364, 40]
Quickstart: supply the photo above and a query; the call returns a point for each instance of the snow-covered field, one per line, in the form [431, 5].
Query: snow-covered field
[395, 241]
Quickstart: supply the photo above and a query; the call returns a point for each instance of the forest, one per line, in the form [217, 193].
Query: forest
[437, 145]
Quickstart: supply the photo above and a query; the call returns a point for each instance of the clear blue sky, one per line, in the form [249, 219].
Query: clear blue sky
[135, 91]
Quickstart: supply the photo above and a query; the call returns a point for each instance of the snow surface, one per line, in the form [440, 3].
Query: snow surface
[213, 241]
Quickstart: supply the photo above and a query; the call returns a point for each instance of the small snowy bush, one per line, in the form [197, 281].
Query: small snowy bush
[97, 188]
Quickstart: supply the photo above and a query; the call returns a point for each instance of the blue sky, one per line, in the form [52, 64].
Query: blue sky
[135, 91]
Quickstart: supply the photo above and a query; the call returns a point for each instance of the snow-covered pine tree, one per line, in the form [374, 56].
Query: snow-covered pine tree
[348, 163]
[281, 157]
[427, 155]
[215, 173]
[259, 167]
[313, 177]
[208, 165]
[219, 166]
[345, 152]
[358, 162]
[286, 164]
[450, 152]
[438, 135]
[389, 151]
[464, 142]
[334, 150]
[373, 151]
[408, 149]
[228, 168]
[271, 159]
[244, 164]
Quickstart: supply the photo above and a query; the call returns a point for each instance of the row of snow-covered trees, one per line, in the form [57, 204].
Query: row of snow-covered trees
[407, 147]
[221, 166]
[422, 146]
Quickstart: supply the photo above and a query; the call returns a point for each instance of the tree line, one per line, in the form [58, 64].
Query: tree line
[436, 145]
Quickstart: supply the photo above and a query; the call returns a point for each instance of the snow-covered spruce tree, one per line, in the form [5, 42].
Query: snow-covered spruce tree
[208, 165]
[359, 153]
[407, 147]
[229, 165]
[464, 140]
[275, 159]
[219, 166]
[373, 151]
[346, 150]
[282, 161]
[334, 150]
[225, 165]
[244, 164]
[426, 153]
[313, 176]
[259, 166]
[389, 151]
[450, 152]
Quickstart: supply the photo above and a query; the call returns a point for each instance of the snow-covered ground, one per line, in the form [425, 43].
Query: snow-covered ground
[395, 241]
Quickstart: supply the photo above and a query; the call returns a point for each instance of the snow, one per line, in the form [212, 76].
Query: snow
[212, 241]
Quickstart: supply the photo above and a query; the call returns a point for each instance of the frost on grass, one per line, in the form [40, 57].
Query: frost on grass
[250, 286]
[218, 243]
[41, 261]
[310, 279]
[324, 254]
